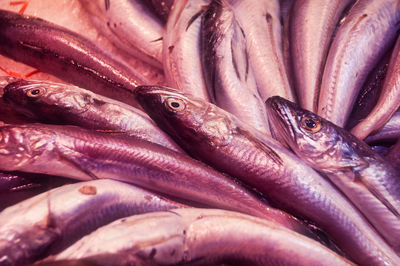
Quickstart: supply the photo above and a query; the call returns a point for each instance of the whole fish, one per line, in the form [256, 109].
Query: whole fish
[363, 176]
[81, 154]
[67, 55]
[262, 30]
[66, 104]
[389, 132]
[388, 102]
[369, 30]
[200, 236]
[55, 219]
[312, 25]
[223, 141]
[130, 25]
[229, 77]
[181, 50]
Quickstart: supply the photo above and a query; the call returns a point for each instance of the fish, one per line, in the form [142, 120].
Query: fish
[312, 26]
[81, 154]
[130, 25]
[223, 141]
[260, 21]
[67, 55]
[186, 236]
[230, 80]
[368, 31]
[362, 174]
[389, 132]
[53, 220]
[181, 48]
[388, 101]
[68, 104]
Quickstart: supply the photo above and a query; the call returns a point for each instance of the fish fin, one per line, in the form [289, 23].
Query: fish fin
[71, 157]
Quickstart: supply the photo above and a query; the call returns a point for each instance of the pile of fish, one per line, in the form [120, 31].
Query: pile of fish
[200, 132]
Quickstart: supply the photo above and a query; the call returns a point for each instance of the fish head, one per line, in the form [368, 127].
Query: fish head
[45, 100]
[21, 145]
[315, 140]
[187, 119]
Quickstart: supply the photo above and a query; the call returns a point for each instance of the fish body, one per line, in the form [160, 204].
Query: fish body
[181, 50]
[223, 141]
[130, 25]
[312, 25]
[57, 218]
[364, 176]
[67, 55]
[230, 79]
[388, 102]
[81, 154]
[389, 132]
[260, 21]
[197, 236]
[369, 30]
[67, 104]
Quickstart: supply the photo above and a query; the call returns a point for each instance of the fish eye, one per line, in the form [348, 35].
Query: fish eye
[35, 92]
[310, 124]
[175, 104]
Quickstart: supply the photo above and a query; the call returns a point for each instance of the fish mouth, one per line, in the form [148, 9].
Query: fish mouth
[282, 119]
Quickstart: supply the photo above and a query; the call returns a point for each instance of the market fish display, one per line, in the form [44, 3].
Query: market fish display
[67, 55]
[362, 39]
[60, 103]
[264, 31]
[365, 177]
[130, 25]
[226, 67]
[220, 139]
[60, 216]
[196, 236]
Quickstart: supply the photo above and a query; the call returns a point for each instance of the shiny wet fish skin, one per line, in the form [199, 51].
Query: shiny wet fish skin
[312, 25]
[181, 48]
[260, 21]
[363, 176]
[368, 31]
[66, 104]
[195, 235]
[67, 55]
[84, 155]
[217, 137]
[388, 101]
[55, 219]
[229, 76]
[130, 25]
